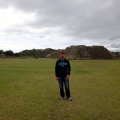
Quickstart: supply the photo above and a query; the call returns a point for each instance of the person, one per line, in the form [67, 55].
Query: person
[62, 72]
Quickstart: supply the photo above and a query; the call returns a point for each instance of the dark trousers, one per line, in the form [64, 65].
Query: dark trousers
[64, 83]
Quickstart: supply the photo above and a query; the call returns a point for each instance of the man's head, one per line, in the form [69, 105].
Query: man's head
[62, 54]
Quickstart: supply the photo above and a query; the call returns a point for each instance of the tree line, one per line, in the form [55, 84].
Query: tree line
[10, 53]
[32, 52]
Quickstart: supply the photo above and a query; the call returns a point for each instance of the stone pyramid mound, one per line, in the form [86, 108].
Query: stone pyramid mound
[87, 52]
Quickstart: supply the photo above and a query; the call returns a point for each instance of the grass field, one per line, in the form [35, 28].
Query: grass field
[29, 91]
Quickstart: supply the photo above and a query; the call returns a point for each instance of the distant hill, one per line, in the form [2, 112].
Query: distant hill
[30, 53]
[41, 53]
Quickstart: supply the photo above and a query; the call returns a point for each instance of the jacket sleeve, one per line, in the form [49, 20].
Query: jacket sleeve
[56, 69]
[68, 68]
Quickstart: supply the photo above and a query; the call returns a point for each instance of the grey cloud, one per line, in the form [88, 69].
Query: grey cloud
[114, 38]
[95, 20]
[115, 45]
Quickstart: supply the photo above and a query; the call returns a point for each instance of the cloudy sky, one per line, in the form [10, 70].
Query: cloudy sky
[40, 24]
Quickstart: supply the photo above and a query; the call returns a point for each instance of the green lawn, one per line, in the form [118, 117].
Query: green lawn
[29, 91]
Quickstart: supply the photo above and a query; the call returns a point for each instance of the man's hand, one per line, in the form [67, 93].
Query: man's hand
[67, 77]
[56, 78]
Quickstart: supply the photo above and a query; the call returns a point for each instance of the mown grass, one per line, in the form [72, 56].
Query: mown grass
[29, 91]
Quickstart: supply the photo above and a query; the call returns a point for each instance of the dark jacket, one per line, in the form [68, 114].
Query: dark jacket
[62, 68]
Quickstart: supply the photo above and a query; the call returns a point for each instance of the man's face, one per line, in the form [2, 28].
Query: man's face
[62, 55]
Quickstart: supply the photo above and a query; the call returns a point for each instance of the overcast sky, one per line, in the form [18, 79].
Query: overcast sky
[40, 24]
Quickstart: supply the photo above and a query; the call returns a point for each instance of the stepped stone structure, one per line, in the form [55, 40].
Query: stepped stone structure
[88, 52]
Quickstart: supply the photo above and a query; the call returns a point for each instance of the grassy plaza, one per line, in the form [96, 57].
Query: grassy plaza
[29, 91]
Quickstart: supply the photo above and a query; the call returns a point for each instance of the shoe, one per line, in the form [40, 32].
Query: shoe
[60, 98]
[70, 99]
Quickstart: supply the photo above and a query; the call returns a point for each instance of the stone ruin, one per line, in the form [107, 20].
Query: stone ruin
[80, 52]
[44, 54]
[88, 52]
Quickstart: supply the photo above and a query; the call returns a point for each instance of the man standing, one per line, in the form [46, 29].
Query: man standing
[62, 72]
